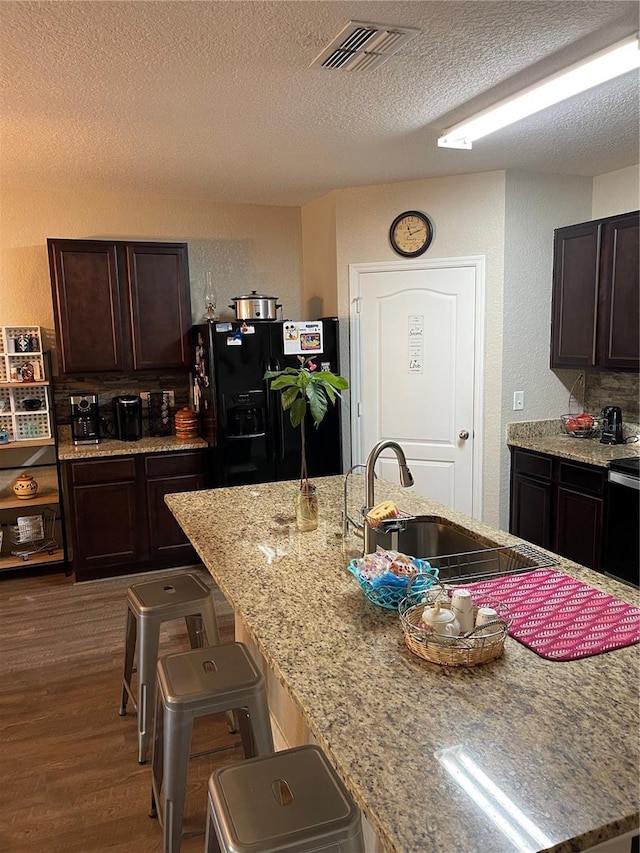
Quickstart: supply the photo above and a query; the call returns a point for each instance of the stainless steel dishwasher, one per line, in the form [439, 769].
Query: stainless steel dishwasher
[622, 521]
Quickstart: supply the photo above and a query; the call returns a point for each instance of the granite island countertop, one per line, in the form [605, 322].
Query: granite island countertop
[556, 738]
[68, 451]
[548, 437]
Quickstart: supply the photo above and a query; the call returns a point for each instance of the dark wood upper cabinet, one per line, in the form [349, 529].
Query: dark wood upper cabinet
[87, 305]
[120, 306]
[619, 343]
[575, 295]
[595, 310]
[160, 307]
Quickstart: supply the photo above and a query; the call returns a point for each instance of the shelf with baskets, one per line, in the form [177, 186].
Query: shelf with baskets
[25, 409]
[31, 525]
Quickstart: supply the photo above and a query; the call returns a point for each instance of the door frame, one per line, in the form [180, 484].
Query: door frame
[478, 263]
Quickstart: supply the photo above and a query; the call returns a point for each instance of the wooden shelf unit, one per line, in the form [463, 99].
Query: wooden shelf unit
[34, 455]
[9, 561]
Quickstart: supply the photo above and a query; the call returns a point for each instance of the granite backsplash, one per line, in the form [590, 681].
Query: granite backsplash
[108, 387]
[604, 388]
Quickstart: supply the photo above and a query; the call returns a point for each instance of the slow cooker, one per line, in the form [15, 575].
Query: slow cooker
[255, 306]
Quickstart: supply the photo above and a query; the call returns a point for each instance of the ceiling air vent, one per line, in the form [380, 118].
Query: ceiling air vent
[360, 46]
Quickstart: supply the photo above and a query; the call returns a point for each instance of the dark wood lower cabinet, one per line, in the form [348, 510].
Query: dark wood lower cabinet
[177, 472]
[558, 505]
[579, 527]
[119, 523]
[106, 518]
[532, 504]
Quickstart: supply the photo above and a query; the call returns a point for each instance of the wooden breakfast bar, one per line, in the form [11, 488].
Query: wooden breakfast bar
[519, 754]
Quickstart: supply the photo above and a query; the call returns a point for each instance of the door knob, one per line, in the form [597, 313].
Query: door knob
[463, 434]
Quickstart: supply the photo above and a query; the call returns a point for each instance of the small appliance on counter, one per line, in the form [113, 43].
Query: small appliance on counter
[127, 417]
[622, 521]
[612, 425]
[85, 419]
[255, 306]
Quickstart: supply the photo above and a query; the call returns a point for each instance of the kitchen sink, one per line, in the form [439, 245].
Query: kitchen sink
[457, 553]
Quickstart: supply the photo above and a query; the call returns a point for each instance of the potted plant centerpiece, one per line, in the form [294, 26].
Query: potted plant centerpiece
[306, 388]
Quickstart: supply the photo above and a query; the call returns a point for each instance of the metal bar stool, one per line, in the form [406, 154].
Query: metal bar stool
[191, 685]
[149, 604]
[290, 801]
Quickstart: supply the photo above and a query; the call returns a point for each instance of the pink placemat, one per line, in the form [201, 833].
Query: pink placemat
[561, 618]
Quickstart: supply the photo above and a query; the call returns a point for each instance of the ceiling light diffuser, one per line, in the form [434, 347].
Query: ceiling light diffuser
[602, 66]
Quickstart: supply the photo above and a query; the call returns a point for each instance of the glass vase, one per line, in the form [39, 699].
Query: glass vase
[306, 508]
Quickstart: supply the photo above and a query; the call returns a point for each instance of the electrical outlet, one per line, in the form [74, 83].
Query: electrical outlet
[518, 401]
[172, 397]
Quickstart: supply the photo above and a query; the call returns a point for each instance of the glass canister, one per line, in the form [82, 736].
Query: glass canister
[307, 507]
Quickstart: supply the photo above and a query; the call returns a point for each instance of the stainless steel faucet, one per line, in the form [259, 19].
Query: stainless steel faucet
[406, 479]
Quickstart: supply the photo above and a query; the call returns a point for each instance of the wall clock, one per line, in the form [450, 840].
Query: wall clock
[410, 234]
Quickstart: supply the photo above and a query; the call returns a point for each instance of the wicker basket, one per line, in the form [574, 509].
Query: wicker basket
[483, 645]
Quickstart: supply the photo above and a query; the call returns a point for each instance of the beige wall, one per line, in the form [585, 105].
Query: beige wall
[468, 218]
[319, 258]
[248, 247]
[616, 192]
[302, 256]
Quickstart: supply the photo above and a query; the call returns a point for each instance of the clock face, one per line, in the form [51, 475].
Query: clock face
[410, 234]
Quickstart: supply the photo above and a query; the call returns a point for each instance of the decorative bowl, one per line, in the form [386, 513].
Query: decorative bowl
[389, 595]
[574, 428]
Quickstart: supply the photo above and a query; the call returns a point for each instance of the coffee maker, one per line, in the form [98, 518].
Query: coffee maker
[611, 425]
[85, 419]
[127, 416]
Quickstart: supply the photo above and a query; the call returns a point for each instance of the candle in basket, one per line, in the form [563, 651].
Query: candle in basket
[25, 487]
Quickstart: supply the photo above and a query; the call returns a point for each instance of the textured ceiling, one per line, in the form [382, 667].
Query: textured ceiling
[216, 99]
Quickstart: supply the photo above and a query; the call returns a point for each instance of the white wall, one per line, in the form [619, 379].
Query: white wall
[534, 206]
[467, 212]
[616, 192]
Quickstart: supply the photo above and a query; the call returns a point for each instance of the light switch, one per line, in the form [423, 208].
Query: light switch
[518, 401]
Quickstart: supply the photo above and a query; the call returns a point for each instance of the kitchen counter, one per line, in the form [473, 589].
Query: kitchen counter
[547, 437]
[556, 738]
[67, 450]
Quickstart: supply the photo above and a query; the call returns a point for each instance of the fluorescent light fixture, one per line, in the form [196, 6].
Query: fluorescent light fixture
[495, 804]
[605, 65]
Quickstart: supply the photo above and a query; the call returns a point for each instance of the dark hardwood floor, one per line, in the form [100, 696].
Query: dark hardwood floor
[69, 776]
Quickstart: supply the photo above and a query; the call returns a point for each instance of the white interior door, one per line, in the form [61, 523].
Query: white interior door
[416, 342]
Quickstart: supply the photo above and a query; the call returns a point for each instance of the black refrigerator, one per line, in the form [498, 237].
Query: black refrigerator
[250, 437]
